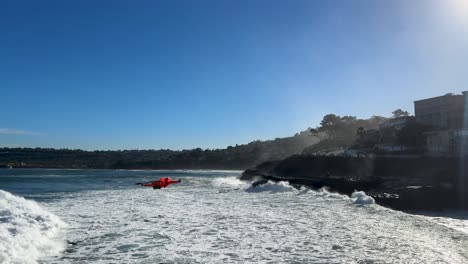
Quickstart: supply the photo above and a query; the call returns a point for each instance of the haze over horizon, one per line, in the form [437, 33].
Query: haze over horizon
[185, 74]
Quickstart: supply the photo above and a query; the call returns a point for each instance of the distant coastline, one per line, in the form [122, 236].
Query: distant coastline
[238, 157]
[389, 158]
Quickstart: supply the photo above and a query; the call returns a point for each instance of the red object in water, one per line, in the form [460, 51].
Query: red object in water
[161, 183]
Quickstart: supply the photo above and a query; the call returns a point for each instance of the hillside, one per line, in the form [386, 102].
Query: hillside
[334, 132]
[232, 157]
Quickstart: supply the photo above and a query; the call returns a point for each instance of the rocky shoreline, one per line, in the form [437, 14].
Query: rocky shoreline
[409, 184]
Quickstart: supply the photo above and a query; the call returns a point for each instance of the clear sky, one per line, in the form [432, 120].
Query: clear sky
[184, 74]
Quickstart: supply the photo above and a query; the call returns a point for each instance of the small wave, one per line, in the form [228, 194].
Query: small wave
[27, 231]
[303, 191]
[361, 198]
[457, 220]
[325, 193]
[271, 187]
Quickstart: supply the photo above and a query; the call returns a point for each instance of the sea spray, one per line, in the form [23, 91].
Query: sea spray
[205, 220]
[271, 187]
[228, 182]
[361, 198]
[27, 231]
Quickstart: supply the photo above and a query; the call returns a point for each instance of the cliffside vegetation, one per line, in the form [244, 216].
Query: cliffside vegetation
[334, 133]
[232, 157]
[337, 132]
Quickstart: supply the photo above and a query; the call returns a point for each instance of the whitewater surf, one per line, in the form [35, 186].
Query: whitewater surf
[210, 217]
[27, 231]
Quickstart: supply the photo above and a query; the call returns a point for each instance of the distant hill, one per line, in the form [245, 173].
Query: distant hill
[232, 157]
[334, 132]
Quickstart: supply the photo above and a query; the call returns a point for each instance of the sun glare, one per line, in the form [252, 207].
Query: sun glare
[457, 10]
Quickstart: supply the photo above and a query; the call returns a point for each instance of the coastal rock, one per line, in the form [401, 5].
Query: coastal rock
[250, 175]
[406, 184]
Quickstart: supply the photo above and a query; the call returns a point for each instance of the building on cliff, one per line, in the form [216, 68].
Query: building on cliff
[448, 116]
[397, 122]
[448, 142]
[441, 112]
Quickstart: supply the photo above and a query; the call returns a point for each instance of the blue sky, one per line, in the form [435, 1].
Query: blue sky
[184, 74]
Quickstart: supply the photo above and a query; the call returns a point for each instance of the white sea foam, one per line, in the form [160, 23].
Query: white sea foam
[362, 198]
[272, 187]
[216, 220]
[325, 193]
[457, 220]
[227, 182]
[27, 231]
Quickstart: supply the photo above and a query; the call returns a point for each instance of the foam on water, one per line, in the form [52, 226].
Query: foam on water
[271, 187]
[27, 231]
[217, 219]
[232, 182]
[361, 198]
[457, 220]
[326, 194]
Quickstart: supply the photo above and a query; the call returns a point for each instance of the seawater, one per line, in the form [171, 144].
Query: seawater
[101, 216]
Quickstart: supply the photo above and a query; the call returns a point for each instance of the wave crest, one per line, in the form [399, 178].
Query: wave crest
[361, 198]
[271, 187]
[228, 182]
[27, 231]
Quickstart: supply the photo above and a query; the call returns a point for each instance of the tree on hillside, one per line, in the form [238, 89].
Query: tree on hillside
[338, 127]
[389, 135]
[313, 131]
[360, 132]
[336, 132]
[375, 121]
[412, 135]
[317, 134]
[329, 125]
[367, 138]
[348, 119]
[399, 113]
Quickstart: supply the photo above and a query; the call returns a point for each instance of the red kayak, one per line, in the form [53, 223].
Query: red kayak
[161, 183]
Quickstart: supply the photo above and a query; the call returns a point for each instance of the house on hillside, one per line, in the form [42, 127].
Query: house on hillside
[397, 123]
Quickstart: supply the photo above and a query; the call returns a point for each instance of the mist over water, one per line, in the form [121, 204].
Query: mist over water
[91, 216]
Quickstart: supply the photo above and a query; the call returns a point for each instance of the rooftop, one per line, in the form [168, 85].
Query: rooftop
[446, 95]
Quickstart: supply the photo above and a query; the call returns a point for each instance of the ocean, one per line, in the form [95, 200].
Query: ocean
[101, 216]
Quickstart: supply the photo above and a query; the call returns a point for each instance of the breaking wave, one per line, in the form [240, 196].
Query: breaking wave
[361, 198]
[27, 231]
[271, 187]
[214, 220]
[357, 197]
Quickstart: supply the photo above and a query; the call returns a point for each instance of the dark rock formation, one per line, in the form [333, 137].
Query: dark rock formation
[421, 183]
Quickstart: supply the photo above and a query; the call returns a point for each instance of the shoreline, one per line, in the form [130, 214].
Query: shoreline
[422, 184]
